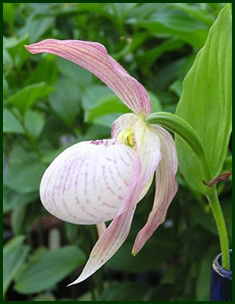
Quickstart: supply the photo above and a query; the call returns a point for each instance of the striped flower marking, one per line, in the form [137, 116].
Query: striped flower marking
[97, 181]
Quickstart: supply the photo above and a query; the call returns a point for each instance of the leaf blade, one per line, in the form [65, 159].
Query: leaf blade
[206, 102]
[11, 124]
[48, 269]
[14, 254]
[26, 97]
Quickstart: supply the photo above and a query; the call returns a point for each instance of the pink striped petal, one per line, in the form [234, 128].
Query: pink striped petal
[147, 159]
[88, 182]
[147, 142]
[146, 139]
[166, 187]
[93, 57]
[131, 121]
[116, 233]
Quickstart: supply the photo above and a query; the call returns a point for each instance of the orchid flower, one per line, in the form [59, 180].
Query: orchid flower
[93, 182]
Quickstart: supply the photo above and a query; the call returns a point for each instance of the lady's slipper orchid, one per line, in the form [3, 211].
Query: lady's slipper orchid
[97, 181]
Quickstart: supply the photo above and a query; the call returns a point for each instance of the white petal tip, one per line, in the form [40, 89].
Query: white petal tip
[73, 283]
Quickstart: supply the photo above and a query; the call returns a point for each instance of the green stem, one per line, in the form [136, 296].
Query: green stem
[185, 131]
[220, 223]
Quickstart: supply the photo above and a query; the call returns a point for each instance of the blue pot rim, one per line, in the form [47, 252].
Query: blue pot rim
[227, 274]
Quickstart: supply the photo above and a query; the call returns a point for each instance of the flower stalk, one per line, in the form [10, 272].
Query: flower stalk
[221, 227]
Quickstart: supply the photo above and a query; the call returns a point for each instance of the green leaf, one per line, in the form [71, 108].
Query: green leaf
[176, 24]
[106, 120]
[86, 296]
[27, 96]
[7, 60]
[94, 132]
[101, 106]
[124, 291]
[14, 254]
[167, 75]
[149, 57]
[8, 13]
[145, 10]
[157, 107]
[92, 94]
[45, 297]
[79, 75]
[15, 47]
[65, 101]
[13, 199]
[11, 123]
[98, 8]
[24, 171]
[206, 102]
[36, 26]
[50, 155]
[187, 134]
[105, 105]
[48, 269]
[18, 220]
[176, 87]
[34, 123]
[203, 15]
[228, 164]
[120, 11]
[136, 41]
[46, 69]
[23, 217]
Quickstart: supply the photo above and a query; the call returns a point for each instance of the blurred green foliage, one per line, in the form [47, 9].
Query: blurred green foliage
[50, 104]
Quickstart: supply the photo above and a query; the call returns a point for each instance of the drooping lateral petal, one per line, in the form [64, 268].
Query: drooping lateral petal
[147, 142]
[147, 159]
[93, 57]
[166, 187]
[116, 233]
[88, 182]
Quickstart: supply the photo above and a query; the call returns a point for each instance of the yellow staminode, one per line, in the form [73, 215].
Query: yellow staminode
[126, 137]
